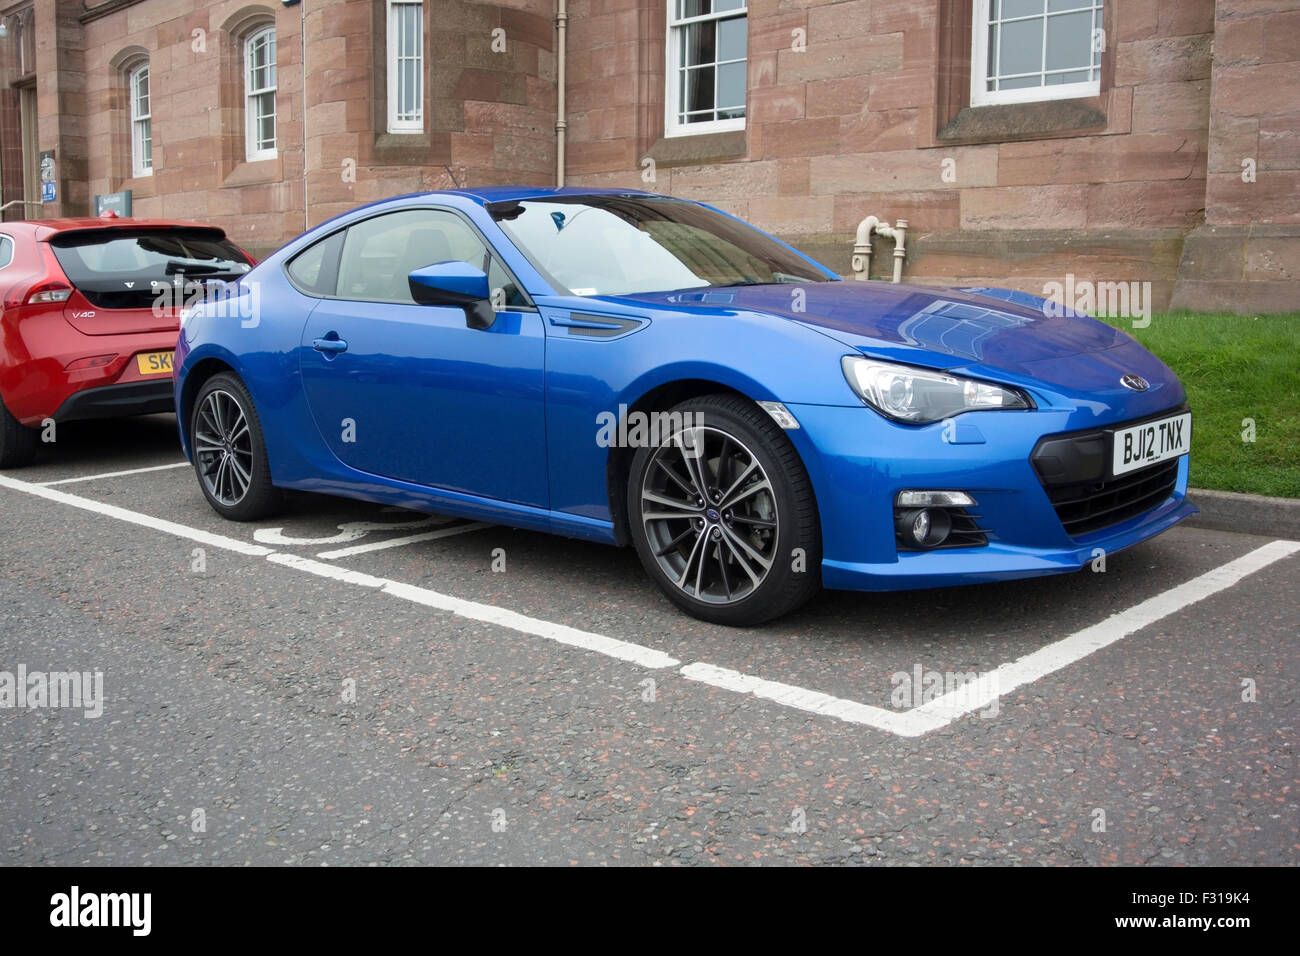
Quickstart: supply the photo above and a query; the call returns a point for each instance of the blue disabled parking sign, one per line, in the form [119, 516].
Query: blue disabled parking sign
[47, 192]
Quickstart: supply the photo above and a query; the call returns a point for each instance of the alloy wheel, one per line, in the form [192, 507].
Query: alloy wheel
[710, 516]
[223, 444]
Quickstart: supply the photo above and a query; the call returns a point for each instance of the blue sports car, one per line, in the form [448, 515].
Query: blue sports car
[640, 370]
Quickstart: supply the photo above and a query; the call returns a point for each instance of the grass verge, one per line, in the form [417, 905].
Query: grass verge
[1237, 369]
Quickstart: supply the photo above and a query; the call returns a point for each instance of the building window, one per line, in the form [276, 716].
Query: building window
[259, 95]
[23, 39]
[707, 45]
[141, 130]
[405, 66]
[1025, 50]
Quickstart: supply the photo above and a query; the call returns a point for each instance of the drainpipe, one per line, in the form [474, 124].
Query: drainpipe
[898, 233]
[302, 106]
[862, 249]
[561, 26]
[862, 246]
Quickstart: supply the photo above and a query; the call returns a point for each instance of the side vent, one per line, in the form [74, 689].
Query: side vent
[597, 326]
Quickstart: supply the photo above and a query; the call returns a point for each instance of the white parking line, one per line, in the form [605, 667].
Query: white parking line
[924, 719]
[114, 474]
[1080, 644]
[994, 684]
[905, 723]
[400, 542]
[560, 633]
[487, 613]
[135, 517]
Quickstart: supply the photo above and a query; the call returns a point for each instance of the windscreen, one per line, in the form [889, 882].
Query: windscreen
[623, 245]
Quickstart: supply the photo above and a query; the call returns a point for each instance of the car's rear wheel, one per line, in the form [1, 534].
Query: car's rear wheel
[230, 452]
[722, 514]
[17, 441]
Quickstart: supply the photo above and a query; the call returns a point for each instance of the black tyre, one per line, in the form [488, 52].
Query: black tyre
[17, 441]
[229, 451]
[723, 516]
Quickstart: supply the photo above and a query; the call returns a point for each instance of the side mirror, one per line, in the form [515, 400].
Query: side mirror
[455, 283]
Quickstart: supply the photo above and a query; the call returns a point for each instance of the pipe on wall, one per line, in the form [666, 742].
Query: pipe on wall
[561, 124]
[861, 261]
[302, 106]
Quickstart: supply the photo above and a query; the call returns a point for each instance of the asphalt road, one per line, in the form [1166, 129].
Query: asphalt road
[262, 705]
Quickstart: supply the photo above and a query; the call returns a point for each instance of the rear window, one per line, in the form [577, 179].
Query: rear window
[126, 269]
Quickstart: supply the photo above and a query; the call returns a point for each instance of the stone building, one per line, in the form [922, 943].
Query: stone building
[1152, 141]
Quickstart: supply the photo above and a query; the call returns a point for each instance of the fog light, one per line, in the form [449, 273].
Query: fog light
[923, 527]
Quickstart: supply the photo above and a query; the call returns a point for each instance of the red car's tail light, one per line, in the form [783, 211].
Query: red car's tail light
[92, 361]
[48, 292]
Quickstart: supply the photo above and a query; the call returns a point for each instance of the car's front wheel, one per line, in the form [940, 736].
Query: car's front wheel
[722, 513]
[17, 441]
[230, 452]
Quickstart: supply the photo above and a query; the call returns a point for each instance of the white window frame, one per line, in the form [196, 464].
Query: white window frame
[673, 74]
[394, 59]
[141, 123]
[253, 98]
[979, 63]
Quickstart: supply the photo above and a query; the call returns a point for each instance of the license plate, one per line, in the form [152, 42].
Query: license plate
[1151, 442]
[154, 363]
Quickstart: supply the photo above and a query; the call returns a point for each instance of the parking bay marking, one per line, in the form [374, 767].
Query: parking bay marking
[924, 719]
[487, 613]
[992, 685]
[136, 517]
[611, 647]
[113, 474]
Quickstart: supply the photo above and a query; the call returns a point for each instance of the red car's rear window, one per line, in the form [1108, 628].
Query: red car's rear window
[124, 268]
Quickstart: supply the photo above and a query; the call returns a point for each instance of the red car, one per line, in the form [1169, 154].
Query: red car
[90, 316]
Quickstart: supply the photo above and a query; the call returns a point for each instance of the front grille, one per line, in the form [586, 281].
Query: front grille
[1095, 505]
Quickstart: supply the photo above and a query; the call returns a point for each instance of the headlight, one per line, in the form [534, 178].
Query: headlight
[187, 313]
[919, 396]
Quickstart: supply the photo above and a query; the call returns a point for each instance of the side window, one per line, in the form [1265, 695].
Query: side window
[6, 251]
[379, 254]
[314, 269]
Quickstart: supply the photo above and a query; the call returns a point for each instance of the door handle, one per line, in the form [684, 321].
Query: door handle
[335, 344]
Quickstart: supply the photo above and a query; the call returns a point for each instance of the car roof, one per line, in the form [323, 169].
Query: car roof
[491, 194]
[481, 197]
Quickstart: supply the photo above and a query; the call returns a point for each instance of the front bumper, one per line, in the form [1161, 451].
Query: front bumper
[858, 462]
